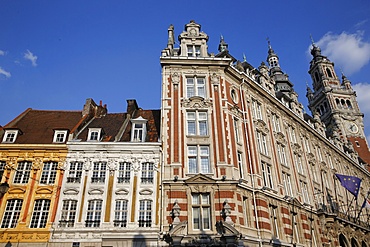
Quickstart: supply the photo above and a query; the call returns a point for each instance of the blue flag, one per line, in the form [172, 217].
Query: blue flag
[351, 183]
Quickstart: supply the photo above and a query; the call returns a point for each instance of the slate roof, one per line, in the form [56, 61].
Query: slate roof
[37, 126]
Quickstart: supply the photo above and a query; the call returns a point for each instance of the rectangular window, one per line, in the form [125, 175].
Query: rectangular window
[60, 136]
[197, 123]
[262, 143]
[292, 135]
[68, 216]
[10, 136]
[40, 213]
[201, 207]
[306, 198]
[138, 133]
[256, 109]
[145, 213]
[195, 87]
[275, 123]
[318, 195]
[99, 172]
[287, 184]
[298, 163]
[282, 155]
[314, 173]
[267, 175]
[307, 144]
[120, 213]
[245, 211]
[319, 154]
[236, 130]
[198, 159]
[22, 173]
[240, 164]
[75, 172]
[193, 50]
[94, 210]
[2, 168]
[147, 172]
[274, 221]
[11, 215]
[124, 172]
[94, 134]
[49, 172]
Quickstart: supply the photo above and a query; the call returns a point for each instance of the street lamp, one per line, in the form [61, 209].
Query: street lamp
[4, 187]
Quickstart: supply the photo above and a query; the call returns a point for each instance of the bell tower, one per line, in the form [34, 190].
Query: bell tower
[335, 101]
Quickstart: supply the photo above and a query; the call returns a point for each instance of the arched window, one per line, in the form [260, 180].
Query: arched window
[343, 103]
[317, 76]
[343, 241]
[328, 72]
[338, 103]
[354, 243]
[349, 105]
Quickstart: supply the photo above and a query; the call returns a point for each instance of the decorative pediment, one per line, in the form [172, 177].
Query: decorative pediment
[224, 228]
[196, 102]
[146, 192]
[234, 109]
[200, 179]
[280, 138]
[121, 192]
[261, 126]
[297, 148]
[16, 190]
[311, 158]
[44, 191]
[179, 229]
[96, 192]
[70, 192]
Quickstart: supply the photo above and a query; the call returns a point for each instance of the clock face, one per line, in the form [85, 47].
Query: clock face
[352, 127]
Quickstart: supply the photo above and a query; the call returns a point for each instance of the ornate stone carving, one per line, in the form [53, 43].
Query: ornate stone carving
[196, 102]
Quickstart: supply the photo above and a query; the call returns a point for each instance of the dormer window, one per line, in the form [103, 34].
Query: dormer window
[94, 134]
[138, 132]
[193, 50]
[60, 136]
[10, 136]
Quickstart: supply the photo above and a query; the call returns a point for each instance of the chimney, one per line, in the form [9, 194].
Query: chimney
[131, 106]
[89, 107]
[101, 110]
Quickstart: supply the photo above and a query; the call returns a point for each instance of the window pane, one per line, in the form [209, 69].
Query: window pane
[196, 218]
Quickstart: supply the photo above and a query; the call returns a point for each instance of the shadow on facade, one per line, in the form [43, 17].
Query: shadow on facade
[139, 241]
[8, 244]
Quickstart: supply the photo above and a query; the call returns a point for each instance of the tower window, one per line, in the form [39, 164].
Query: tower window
[328, 72]
[317, 77]
[193, 50]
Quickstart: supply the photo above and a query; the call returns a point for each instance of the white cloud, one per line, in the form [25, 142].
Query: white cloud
[348, 51]
[29, 56]
[5, 73]
[2, 53]
[363, 92]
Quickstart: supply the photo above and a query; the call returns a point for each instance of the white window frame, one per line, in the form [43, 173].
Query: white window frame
[276, 123]
[236, 130]
[12, 212]
[282, 155]
[240, 163]
[60, 136]
[138, 132]
[147, 173]
[267, 175]
[193, 50]
[201, 211]
[256, 109]
[23, 171]
[124, 172]
[94, 134]
[196, 86]
[145, 213]
[197, 123]
[93, 213]
[287, 184]
[299, 164]
[274, 221]
[75, 172]
[49, 172]
[40, 213]
[10, 136]
[199, 159]
[121, 213]
[99, 172]
[304, 190]
[68, 213]
[292, 135]
[262, 143]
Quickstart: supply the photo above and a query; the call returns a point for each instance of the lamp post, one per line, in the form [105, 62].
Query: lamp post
[4, 187]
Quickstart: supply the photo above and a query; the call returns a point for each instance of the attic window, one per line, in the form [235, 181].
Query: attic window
[60, 136]
[10, 136]
[94, 134]
[193, 50]
[138, 132]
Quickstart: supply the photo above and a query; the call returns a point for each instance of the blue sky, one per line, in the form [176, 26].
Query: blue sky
[55, 54]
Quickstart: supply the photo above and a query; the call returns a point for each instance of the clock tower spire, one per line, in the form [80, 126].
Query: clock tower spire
[336, 103]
